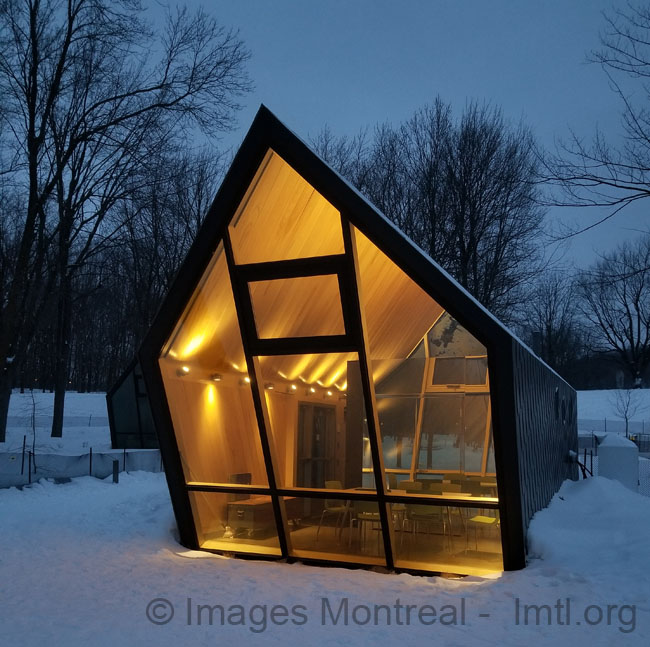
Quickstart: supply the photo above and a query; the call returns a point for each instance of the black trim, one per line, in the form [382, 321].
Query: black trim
[291, 269]
[257, 391]
[368, 388]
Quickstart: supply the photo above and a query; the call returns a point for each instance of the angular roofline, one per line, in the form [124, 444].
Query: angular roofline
[267, 131]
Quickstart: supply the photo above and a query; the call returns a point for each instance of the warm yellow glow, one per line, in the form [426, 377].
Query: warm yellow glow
[192, 346]
[293, 387]
[329, 393]
[312, 389]
[247, 380]
[211, 394]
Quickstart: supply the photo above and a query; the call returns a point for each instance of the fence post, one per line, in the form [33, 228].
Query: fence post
[90, 466]
[29, 467]
[22, 465]
[116, 471]
[124, 461]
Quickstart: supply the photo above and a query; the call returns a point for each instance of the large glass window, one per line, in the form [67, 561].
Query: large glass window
[298, 307]
[344, 530]
[282, 217]
[431, 384]
[235, 522]
[208, 390]
[318, 421]
[446, 538]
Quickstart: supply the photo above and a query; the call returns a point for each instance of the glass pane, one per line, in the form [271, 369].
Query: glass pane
[299, 307]
[447, 338]
[282, 216]
[441, 439]
[335, 529]
[231, 523]
[449, 370]
[204, 375]
[491, 469]
[318, 422]
[399, 376]
[388, 294]
[476, 370]
[124, 407]
[397, 421]
[425, 367]
[446, 538]
[475, 420]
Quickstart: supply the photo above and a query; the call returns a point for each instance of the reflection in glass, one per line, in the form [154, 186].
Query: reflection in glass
[446, 538]
[338, 529]
[235, 522]
[430, 377]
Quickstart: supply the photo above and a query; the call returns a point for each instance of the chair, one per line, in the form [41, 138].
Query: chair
[482, 522]
[333, 508]
[417, 515]
[364, 513]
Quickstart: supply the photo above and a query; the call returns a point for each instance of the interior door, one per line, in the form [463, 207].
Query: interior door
[316, 444]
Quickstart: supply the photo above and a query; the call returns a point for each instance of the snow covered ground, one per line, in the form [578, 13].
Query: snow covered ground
[93, 563]
[80, 564]
[85, 423]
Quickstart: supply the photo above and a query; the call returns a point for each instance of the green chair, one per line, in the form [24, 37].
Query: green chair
[333, 508]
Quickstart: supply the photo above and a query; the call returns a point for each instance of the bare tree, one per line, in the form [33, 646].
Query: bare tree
[596, 172]
[615, 297]
[89, 89]
[551, 321]
[627, 404]
[464, 191]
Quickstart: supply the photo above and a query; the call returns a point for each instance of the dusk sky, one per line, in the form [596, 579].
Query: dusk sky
[351, 64]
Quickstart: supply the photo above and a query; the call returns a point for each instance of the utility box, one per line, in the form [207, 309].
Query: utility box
[618, 458]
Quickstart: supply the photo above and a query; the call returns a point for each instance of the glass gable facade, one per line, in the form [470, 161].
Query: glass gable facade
[324, 406]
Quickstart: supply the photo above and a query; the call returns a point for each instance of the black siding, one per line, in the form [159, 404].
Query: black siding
[547, 430]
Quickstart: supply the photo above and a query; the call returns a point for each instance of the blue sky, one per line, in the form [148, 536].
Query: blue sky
[351, 64]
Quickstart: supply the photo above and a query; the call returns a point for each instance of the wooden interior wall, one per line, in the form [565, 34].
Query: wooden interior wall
[215, 428]
[299, 307]
[398, 312]
[283, 413]
[207, 337]
[284, 217]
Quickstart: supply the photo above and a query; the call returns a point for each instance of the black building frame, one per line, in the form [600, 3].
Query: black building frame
[517, 498]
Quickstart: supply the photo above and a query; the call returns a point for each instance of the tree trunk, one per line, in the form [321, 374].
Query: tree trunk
[5, 395]
[61, 357]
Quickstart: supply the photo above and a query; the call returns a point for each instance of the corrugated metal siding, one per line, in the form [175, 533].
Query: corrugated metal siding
[546, 422]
